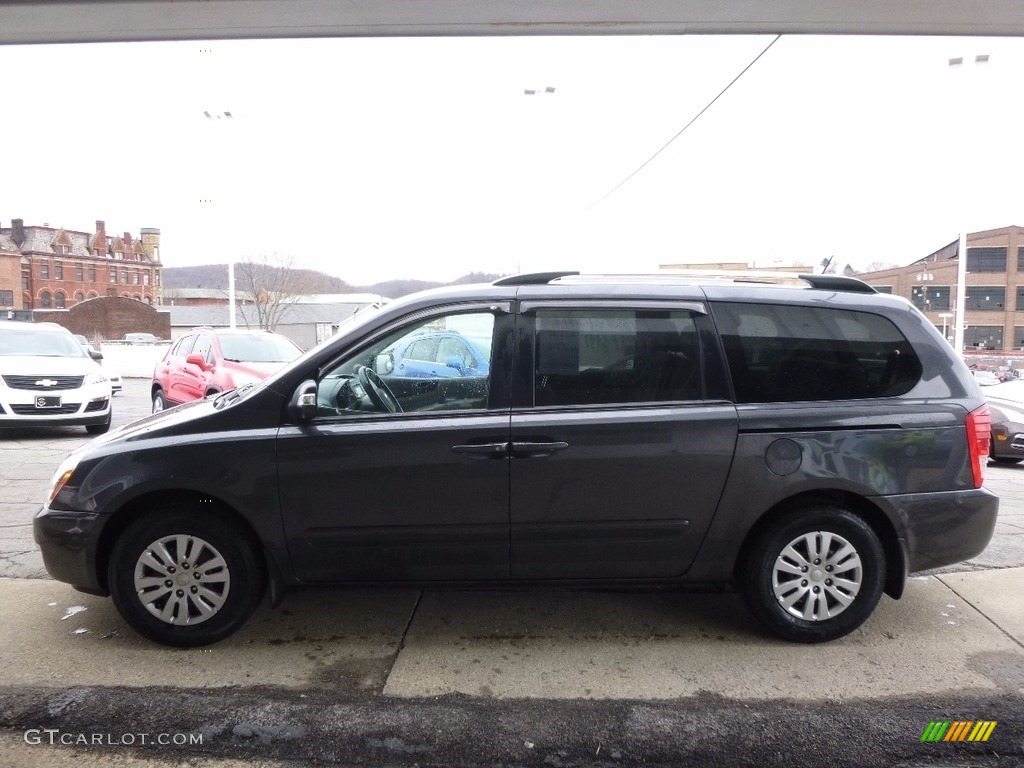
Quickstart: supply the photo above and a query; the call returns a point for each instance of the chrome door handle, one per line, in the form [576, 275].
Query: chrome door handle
[483, 450]
[538, 449]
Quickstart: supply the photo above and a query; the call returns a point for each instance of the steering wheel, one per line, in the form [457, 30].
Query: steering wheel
[377, 390]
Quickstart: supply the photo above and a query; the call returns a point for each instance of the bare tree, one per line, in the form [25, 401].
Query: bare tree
[273, 284]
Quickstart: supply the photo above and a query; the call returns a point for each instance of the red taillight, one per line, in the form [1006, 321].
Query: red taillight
[979, 437]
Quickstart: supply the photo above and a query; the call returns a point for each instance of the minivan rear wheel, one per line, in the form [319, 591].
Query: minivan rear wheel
[816, 575]
[185, 579]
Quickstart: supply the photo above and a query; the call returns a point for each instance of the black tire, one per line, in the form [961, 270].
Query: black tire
[229, 595]
[822, 616]
[100, 429]
[1006, 460]
[159, 401]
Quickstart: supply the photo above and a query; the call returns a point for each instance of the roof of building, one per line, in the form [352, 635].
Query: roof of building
[298, 314]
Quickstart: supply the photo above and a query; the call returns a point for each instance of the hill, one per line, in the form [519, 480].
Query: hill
[215, 276]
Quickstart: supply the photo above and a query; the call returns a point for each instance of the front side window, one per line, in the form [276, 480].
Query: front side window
[596, 356]
[786, 353]
[410, 370]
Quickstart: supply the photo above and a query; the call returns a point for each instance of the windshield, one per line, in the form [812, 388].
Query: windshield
[258, 348]
[35, 343]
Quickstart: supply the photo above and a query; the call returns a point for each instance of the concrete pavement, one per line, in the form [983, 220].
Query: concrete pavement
[953, 632]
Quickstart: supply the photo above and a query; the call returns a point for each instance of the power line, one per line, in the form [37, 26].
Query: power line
[681, 130]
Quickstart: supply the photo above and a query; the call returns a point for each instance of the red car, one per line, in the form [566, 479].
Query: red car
[207, 361]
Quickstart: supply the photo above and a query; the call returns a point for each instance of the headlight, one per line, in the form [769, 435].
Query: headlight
[61, 476]
[96, 378]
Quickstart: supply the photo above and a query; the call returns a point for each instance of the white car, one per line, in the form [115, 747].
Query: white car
[112, 373]
[47, 379]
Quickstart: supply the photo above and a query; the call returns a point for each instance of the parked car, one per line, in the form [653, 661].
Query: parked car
[207, 361]
[987, 378]
[1006, 402]
[47, 379]
[443, 354]
[141, 338]
[112, 373]
[809, 445]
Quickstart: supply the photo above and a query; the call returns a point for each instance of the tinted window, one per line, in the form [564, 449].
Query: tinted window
[787, 353]
[590, 357]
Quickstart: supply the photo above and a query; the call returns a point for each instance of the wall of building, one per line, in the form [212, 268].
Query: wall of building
[109, 318]
[994, 284]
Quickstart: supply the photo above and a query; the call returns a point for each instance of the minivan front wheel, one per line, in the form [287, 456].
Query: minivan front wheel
[816, 575]
[185, 579]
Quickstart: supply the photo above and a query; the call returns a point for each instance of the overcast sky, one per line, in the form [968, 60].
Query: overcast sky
[380, 158]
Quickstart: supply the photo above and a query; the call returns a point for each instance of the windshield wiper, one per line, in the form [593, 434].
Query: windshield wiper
[231, 395]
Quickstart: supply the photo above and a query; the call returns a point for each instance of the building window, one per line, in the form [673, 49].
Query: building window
[883, 288]
[984, 336]
[44, 270]
[934, 297]
[156, 278]
[986, 259]
[58, 300]
[113, 275]
[92, 273]
[79, 271]
[93, 295]
[44, 299]
[135, 278]
[24, 281]
[990, 298]
[7, 298]
[124, 277]
[79, 297]
[145, 278]
[58, 271]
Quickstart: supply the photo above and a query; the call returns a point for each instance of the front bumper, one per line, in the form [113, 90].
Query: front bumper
[78, 407]
[69, 542]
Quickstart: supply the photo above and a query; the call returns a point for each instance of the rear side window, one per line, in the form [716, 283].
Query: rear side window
[592, 357]
[786, 353]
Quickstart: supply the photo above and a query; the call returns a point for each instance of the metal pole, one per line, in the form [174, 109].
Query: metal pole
[961, 295]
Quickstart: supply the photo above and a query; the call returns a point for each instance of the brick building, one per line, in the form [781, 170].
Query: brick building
[994, 288]
[44, 267]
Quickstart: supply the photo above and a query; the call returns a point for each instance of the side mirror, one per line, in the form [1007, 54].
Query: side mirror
[384, 365]
[456, 363]
[196, 359]
[302, 406]
[95, 355]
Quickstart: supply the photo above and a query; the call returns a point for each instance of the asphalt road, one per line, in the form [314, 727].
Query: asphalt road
[409, 678]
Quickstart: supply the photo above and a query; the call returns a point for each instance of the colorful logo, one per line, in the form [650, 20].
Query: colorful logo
[959, 730]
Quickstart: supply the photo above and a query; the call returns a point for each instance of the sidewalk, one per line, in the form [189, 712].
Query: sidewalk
[954, 632]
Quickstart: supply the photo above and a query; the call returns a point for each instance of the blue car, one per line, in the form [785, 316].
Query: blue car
[442, 354]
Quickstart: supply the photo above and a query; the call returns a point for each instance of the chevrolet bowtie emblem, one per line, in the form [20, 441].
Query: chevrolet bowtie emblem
[46, 383]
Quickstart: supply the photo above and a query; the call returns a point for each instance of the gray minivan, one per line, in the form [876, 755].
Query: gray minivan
[806, 441]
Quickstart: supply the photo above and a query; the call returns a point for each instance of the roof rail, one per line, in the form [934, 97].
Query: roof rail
[533, 278]
[821, 282]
